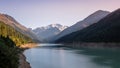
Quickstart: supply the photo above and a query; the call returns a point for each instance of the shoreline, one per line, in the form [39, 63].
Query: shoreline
[93, 45]
[23, 63]
[27, 46]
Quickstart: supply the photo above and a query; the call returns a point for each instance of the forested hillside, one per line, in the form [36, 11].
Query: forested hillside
[10, 39]
[9, 20]
[17, 37]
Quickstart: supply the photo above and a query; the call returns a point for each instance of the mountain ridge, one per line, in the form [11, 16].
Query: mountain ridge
[105, 30]
[93, 18]
[9, 20]
[51, 30]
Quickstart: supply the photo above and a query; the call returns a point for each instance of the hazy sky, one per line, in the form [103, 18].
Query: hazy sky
[36, 13]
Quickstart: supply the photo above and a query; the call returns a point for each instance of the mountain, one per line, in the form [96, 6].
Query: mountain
[17, 37]
[10, 40]
[13, 23]
[106, 30]
[93, 18]
[12, 36]
[49, 31]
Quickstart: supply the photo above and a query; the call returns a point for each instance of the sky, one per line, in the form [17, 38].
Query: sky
[37, 13]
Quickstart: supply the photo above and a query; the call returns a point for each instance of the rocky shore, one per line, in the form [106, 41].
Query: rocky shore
[22, 59]
[23, 62]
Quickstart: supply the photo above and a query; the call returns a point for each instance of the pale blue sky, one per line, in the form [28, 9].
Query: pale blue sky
[36, 13]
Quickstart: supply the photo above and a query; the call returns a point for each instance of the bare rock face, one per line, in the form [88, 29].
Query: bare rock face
[12, 22]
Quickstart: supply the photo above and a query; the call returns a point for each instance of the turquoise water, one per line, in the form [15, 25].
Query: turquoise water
[53, 56]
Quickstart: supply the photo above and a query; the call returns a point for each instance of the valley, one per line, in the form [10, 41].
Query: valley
[59, 34]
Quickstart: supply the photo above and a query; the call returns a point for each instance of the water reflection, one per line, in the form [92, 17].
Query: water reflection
[48, 56]
[104, 57]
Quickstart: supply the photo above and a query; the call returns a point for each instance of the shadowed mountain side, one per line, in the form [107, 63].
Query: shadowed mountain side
[93, 18]
[106, 30]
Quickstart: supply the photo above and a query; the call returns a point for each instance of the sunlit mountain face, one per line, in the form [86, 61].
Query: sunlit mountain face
[9, 20]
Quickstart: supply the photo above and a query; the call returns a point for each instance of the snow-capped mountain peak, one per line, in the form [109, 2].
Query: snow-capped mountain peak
[59, 26]
[49, 31]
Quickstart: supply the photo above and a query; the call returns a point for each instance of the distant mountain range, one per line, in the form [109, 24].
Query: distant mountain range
[105, 30]
[49, 31]
[100, 26]
[22, 29]
[93, 18]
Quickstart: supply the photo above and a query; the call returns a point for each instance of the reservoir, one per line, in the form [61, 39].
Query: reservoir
[56, 56]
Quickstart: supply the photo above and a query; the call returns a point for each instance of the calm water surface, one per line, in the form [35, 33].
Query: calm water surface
[51, 56]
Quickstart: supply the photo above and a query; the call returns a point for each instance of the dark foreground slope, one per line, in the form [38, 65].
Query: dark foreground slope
[8, 53]
[106, 30]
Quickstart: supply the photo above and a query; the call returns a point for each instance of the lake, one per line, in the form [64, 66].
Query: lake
[56, 56]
